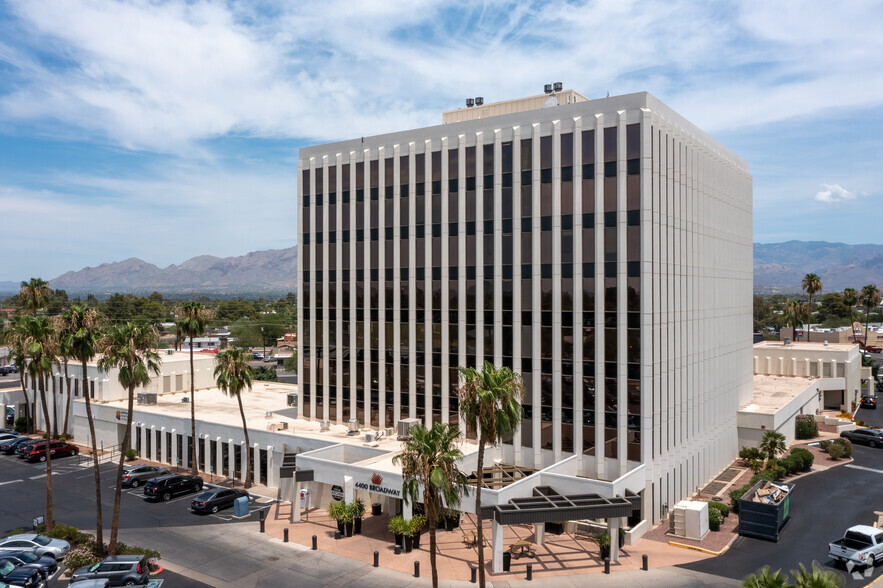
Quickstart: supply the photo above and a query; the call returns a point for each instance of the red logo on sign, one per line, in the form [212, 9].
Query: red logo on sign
[375, 479]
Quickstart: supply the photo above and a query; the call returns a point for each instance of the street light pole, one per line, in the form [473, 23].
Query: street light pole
[264, 342]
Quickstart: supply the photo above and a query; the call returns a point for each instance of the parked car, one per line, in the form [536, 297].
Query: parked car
[36, 544]
[861, 544]
[869, 437]
[257, 355]
[9, 447]
[869, 402]
[10, 415]
[216, 499]
[873, 349]
[7, 436]
[135, 475]
[18, 575]
[46, 563]
[37, 451]
[24, 447]
[7, 369]
[118, 570]
[164, 487]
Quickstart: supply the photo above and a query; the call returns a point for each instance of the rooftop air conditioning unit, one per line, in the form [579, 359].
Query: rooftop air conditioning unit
[292, 399]
[390, 431]
[404, 426]
[558, 86]
[370, 437]
[324, 425]
[185, 400]
[352, 427]
[146, 398]
[170, 351]
[787, 340]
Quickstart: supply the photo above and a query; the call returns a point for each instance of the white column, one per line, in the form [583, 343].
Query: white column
[539, 533]
[163, 451]
[256, 451]
[497, 546]
[219, 458]
[407, 510]
[174, 457]
[243, 454]
[207, 448]
[613, 530]
[231, 459]
[295, 504]
[185, 448]
[143, 442]
[273, 466]
[152, 455]
[348, 489]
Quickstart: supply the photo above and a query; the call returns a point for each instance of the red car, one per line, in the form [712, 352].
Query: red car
[37, 452]
[873, 349]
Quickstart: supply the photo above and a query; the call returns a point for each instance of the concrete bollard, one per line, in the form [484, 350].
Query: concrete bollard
[645, 565]
[262, 525]
[529, 572]
[416, 569]
[398, 549]
[376, 559]
[315, 543]
[606, 565]
[285, 535]
[337, 534]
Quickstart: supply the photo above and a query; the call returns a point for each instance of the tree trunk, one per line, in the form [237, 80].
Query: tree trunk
[67, 408]
[49, 522]
[118, 484]
[99, 530]
[24, 389]
[193, 466]
[867, 323]
[248, 480]
[54, 406]
[808, 317]
[432, 548]
[479, 525]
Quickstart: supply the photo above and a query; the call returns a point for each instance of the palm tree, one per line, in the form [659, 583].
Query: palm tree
[192, 317]
[130, 348]
[850, 299]
[816, 577]
[233, 375]
[795, 314]
[429, 460]
[82, 335]
[763, 578]
[773, 444]
[812, 284]
[869, 298]
[40, 340]
[34, 295]
[490, 404]
[15, 335]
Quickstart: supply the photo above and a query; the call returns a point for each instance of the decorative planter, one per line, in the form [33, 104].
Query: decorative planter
[348, 529]
[449, 523]
[399, 539]
[340, 527]
[357, 525]
[605, 551]
[407, 544]
[415, 541]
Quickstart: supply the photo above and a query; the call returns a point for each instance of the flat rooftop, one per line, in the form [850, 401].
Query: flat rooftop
[812, 346]
[772, 393]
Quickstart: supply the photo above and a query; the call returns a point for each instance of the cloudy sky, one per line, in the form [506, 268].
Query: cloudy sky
[168, 129]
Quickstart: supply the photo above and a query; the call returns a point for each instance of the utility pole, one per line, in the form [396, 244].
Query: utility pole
[264, 341]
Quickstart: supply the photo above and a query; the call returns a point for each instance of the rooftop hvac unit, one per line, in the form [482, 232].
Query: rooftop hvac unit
[390, 431]
[370, 437]
[470, 103]
[479, 100]
[352, 427]
[404, 426]
[324, 425]
[558, 86]
[185, 400]
[292, 399]
[146, 398]
[170, 352]
[547, 88]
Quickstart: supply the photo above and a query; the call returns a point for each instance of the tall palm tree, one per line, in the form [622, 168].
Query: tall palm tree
[869, 298]
[812, 284]
[192, 318]
[795, 314]
[34, 295]
[850, 299]
[82, 335]
[15, 335]
[130, 348]
[429, 460]
[41, 343]
[233, 375]
[490, 404]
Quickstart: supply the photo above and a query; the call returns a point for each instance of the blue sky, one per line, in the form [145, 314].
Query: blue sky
[168, 129]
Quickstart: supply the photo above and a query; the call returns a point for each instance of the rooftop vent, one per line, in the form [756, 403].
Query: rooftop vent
[324, 425]
[470, 103]
[352, 427]
[558, 86]
[479, 100]
[547, 88]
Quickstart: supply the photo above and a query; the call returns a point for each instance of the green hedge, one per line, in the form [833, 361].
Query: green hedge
[714, 519]
[804, 457]
[805, 427]
[720, 507]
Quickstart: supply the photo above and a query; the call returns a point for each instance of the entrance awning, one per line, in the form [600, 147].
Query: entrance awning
[547, 506]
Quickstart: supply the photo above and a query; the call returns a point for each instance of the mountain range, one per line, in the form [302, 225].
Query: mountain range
[778, 268]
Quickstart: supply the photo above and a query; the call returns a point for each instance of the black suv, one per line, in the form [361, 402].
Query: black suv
[164, 487]
[19, 575]
[118, 570]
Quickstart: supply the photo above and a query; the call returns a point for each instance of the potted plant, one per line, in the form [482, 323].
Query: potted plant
[347, 519]
[603, 539]
[554, 528]
[450, 519]
[415, 525]
[358, 509]
[398, 527]
[621, 537]
[337, 511]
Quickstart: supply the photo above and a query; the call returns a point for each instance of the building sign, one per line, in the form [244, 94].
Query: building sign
[377, 486]
[122, 415]
[337, 492]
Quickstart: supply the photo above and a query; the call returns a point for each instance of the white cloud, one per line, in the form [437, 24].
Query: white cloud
[834, 194]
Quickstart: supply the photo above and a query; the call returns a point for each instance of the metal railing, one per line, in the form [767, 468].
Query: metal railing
[105, 455]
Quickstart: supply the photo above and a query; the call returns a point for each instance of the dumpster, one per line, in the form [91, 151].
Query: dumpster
[240, 506]
[765, 509]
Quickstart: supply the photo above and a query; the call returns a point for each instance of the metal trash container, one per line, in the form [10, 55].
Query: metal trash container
[507, 561]
[240, 506]
[376, 509]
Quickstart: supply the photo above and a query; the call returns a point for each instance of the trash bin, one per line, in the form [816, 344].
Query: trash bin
[240, 506]
[375, 509]
[507, 561]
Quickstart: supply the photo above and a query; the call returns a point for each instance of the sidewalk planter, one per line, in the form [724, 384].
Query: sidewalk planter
[556, 528]
[348, 529]
[399, 527]
[357, 509]
[450, 521]
[603, 540]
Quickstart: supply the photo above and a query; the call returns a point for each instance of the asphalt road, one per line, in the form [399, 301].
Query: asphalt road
[823, 506]
[10, 381]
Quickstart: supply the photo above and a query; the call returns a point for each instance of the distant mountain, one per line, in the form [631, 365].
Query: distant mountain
[781, 266]
[274, 270]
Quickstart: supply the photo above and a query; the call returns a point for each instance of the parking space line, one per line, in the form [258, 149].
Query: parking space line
[37, 477]
[10, 482]
[863, 468]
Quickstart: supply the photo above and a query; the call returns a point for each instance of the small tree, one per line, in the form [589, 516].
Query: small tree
[816, 577]
[764, 578]
[773, 444]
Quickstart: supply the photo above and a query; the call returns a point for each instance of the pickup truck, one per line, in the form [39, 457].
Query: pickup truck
[861, 545]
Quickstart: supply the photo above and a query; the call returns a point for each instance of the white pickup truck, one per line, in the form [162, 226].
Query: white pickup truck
[861, 545]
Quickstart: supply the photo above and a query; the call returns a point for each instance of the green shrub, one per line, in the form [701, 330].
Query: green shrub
[720, 507]
[61, 531]
[805, 427]
[825, 445]
[416, 524]
[846, 444]
[65, 437]
[836, 451]
[131, 454]
[714, 519]
[755, 465]
[79, 557]
[21, 425]
[749, 453]
[791, 464]
[735, 495]
[19, 531]
[804, 457]
[123, 549]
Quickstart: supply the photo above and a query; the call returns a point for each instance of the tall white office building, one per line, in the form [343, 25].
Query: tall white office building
[600, 248]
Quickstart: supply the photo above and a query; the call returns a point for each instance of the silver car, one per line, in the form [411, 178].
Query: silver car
[37, 544]
[135, 475]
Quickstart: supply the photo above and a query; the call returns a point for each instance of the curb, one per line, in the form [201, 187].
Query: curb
[702, 549]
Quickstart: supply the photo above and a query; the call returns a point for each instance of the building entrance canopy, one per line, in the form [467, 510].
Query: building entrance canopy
[546, 506]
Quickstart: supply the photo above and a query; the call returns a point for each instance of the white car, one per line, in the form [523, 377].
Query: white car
[37, 544]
